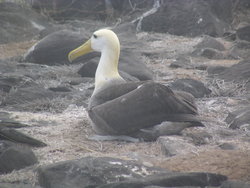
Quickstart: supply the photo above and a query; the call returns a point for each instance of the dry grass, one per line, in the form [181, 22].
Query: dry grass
[15, 49]
[55, 105]
[234, 164]
[227, 89]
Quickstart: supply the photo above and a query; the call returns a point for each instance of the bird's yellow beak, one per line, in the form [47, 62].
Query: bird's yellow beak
[80, 51]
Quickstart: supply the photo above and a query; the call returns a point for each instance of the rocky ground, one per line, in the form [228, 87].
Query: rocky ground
[50, 99]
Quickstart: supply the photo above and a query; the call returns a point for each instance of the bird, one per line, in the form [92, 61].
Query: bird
[131, 110]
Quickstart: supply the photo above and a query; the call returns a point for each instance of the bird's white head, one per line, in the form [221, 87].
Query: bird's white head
[102, 40]
[106, 42]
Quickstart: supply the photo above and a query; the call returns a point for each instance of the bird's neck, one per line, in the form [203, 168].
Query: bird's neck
[107, 69]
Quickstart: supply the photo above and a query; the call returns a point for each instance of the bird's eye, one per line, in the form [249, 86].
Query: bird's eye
[94, 36]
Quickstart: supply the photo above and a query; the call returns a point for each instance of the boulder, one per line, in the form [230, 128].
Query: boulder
[230, 35]
[239, 73]
[13, 157]
[131, 63]
[171, 146]
[240, 50]
[11, 123]
[186, 62]
[112, 172]
[210, 53]
[19, 23]
[194, 87]
[54, 48]
[239, 118]
[215, 70]
[18, 137]
[210, 48]
[7, 121]
[210, 42]
[227, 146]
[190, 18]
[243, 33]
[182, 62]
[88, 69]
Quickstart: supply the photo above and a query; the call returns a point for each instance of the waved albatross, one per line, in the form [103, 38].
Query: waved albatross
[129, 110]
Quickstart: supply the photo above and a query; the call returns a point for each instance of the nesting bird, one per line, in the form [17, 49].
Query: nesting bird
[120, 109]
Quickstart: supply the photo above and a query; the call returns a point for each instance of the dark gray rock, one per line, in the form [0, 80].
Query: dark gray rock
[227, 146]
[13, 157]
[238, 118]
[164, 180]
[214, 70]
[54, 48]
[229, 35]
[19, 23]
[239, 73]
[194, 87]
[210, 42]
[185, 61]
[18, 137]
[88, 69]
[240, 50]
[190, 18]
[243, 33]
[11, 123]
[182, 62]
[111, 172]
[171, 146]
[5, 85]
[127, 76]
[90, 171]
[210, 53]
[210, 48]
[7, 121]
[17, 185]
[131, 63]
[235, 184]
